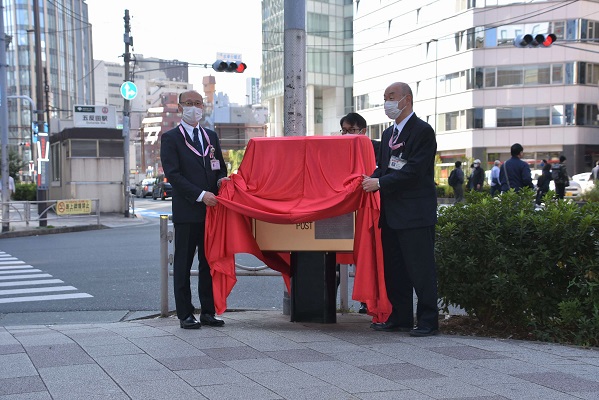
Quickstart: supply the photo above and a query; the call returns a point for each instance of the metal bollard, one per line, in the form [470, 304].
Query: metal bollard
[163, 265]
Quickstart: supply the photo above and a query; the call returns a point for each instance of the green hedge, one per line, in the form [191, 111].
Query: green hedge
[25, 192]
[514, 266]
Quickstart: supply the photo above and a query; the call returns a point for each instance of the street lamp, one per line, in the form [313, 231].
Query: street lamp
[436, 75]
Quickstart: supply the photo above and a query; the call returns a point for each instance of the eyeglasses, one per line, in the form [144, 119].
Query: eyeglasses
[192, 103]
[350, 130]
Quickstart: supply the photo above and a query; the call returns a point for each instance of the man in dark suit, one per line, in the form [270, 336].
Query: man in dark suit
[405, 178]
[193, 163]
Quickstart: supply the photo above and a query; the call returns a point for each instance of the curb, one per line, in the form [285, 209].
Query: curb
[50, 231]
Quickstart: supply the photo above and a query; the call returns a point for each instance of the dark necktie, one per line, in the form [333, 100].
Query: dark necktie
[395, 135]
[196, 140]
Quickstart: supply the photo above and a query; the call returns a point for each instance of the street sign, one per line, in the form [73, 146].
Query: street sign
[94, 116]
[128, 90]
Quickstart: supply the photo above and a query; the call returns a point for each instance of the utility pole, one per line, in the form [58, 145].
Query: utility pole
[42, 173]
[4, 124]
[126, 111]
[294, 65]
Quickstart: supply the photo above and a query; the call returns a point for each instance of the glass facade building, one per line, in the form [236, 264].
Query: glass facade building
[66, 55]
[329, 66]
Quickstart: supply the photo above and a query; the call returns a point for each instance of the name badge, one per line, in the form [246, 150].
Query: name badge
[215, 164]
[397, 163]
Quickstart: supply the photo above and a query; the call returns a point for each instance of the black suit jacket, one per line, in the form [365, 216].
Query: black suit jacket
[408, 195]
[189, 174]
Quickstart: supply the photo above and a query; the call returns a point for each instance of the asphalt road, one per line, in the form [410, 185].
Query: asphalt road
[108, 270]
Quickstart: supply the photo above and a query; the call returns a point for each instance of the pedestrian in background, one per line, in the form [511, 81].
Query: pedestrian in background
[406, 181]
[193, 163]
[478, 176]
[456, 181]
[543, 183]
[494, 178]
[559, 173]
[515, 172]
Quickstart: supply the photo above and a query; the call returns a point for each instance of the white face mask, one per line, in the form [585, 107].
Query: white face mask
[392, 108]
[192, 115]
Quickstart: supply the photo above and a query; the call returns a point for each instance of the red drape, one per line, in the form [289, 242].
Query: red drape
[291, 180]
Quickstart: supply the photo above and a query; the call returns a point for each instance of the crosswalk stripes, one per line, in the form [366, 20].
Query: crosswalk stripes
[146, 213]
[28, 284]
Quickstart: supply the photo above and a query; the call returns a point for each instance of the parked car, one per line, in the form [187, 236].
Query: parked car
[162, 190]
[144, 187]
[584, 180]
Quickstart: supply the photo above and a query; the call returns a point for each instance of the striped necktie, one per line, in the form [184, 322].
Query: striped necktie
[196, 140]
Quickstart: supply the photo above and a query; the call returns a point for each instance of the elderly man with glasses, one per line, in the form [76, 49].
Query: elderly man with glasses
[193, 164]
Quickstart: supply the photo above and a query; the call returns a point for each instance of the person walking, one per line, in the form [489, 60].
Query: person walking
[494, 178]
[193, 163]
[456, 181]
[405, 179]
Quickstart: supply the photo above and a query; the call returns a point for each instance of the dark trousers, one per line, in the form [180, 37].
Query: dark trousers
[188, 237]
[496, 189]
[410, 266]
[560, 190]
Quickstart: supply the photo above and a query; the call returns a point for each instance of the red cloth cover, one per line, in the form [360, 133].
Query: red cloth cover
[290, 180]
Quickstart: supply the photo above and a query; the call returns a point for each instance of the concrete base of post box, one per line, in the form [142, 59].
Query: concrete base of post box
[313, 287]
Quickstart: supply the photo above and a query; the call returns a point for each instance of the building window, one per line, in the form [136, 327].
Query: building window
[474, 118]
[55, 162]
[536, 116]
[509, 116]
[490, 76]
[83, 148]
[557, 73]
[110, 148]
[317, 24]
[537, 75]
[509, 76]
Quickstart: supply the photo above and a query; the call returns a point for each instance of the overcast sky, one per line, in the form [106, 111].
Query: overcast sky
[186, 30]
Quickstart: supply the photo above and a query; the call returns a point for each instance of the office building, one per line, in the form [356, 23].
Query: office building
[66, 56]
[329, 64]
[480, 92]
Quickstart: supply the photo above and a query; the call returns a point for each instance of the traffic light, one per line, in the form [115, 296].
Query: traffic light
[539, 40]
[229, 66]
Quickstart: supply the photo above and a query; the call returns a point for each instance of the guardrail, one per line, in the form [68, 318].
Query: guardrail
[166, 258]
[26, 213]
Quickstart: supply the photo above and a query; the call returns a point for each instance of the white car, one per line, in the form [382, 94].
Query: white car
[584, 181]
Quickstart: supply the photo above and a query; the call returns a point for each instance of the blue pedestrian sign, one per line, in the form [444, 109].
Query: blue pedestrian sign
[128, 90]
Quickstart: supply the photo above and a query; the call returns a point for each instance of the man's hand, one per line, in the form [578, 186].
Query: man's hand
[370, 184]
[209, 199]
[220, 181]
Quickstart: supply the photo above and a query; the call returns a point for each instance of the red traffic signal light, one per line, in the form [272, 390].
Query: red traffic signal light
[226, 66]
[539, 40]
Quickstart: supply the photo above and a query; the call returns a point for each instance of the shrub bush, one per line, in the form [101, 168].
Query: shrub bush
[515, 266]
[592, 195]
[25, 192]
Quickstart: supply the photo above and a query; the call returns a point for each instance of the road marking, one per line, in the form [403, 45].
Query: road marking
[45, 298]
[27, 271]
[27, 283]
[28, 280]
[11, 262]
[147, 213]
[15, 267]
[6, 278]
[38, 290]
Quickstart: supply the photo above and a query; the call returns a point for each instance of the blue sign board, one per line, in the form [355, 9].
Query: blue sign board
[128, 90]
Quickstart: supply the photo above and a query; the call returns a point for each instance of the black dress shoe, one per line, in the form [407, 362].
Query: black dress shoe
[390, 327]
[208, 319]
[421, 332]
[363, 309]
[189, 323]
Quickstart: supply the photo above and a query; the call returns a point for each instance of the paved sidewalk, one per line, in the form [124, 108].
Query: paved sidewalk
[261, 355]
